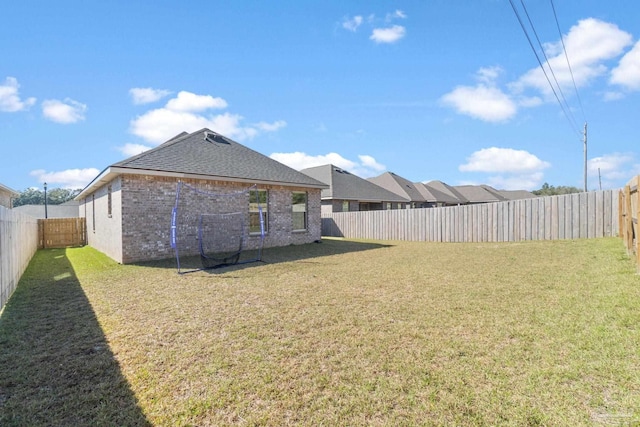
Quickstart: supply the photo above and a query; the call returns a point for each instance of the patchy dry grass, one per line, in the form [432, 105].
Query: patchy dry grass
[338, 333]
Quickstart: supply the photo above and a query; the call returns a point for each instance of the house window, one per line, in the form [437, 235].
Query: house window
[388, 206]
[345, 206]
[109, 201]
[299, 210]
[258, 200]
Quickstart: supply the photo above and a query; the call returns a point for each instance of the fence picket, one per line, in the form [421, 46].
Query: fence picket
[18, 243]
[571, 216]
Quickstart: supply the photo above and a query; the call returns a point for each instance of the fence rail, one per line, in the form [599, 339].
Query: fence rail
[18, 243]
[571, 216]
[629, 206]
[61, 232]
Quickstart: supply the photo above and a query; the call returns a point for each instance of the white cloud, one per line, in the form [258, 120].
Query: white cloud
[271, 127]
[133, 149]
[489, 75]
[371, 163]
[147, 95]
[190, 102]
[10, 101]
[353, 23]
[188, 112]
[365, 168]
[481, 102]
[494, 159]
[529, 101]
[70, 178]
[529, 182]
[612, 96]
[398, 14]
[388, 35]
[614, 166]
[627, 73]
[65, 112]
[589, 44]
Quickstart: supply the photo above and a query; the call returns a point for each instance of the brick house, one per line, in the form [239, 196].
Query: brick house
[128, 205]
[7, 195]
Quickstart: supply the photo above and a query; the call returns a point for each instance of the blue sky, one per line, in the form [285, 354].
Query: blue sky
[440, 89]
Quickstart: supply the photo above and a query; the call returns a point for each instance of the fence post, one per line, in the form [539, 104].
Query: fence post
[637, 227]
[620, 214]
[628, 221]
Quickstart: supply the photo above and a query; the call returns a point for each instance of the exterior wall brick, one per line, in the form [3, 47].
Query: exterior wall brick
[147, 202]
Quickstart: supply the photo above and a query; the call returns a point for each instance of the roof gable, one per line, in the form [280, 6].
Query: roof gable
[432, 194]
[448, 190]
[399, 185]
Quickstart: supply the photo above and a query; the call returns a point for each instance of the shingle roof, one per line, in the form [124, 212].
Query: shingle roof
[433, 195]
[208, 155]
[398, 185]
[344, 185]
[517, 194]
[448, 190]
[479, 194]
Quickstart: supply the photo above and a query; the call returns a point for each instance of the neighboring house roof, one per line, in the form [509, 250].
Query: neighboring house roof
[479, 194]
[12, 193]
[344, 185]
[399, 185]
[517, 194]
[206, 155]
[433, 195]
[447, 190]
[65, 210]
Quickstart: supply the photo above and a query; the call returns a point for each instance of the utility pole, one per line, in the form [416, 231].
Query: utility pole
[585, 156]
[599, 179]
[46, 215]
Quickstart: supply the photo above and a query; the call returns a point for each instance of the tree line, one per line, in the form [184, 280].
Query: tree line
[550, 190]
[55, 196]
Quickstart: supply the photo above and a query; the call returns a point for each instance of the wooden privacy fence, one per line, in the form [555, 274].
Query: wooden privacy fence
[18, 243]
[61, 232]
[571, 216]
[629, 206]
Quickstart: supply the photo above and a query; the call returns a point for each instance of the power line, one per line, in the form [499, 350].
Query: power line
[567, 58]
[564, 98]
[526, 33]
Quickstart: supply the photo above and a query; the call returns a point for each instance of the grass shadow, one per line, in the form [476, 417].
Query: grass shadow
[275, 255]
[56, 367]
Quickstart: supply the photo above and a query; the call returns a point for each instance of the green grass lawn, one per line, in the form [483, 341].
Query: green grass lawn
[337, 333]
